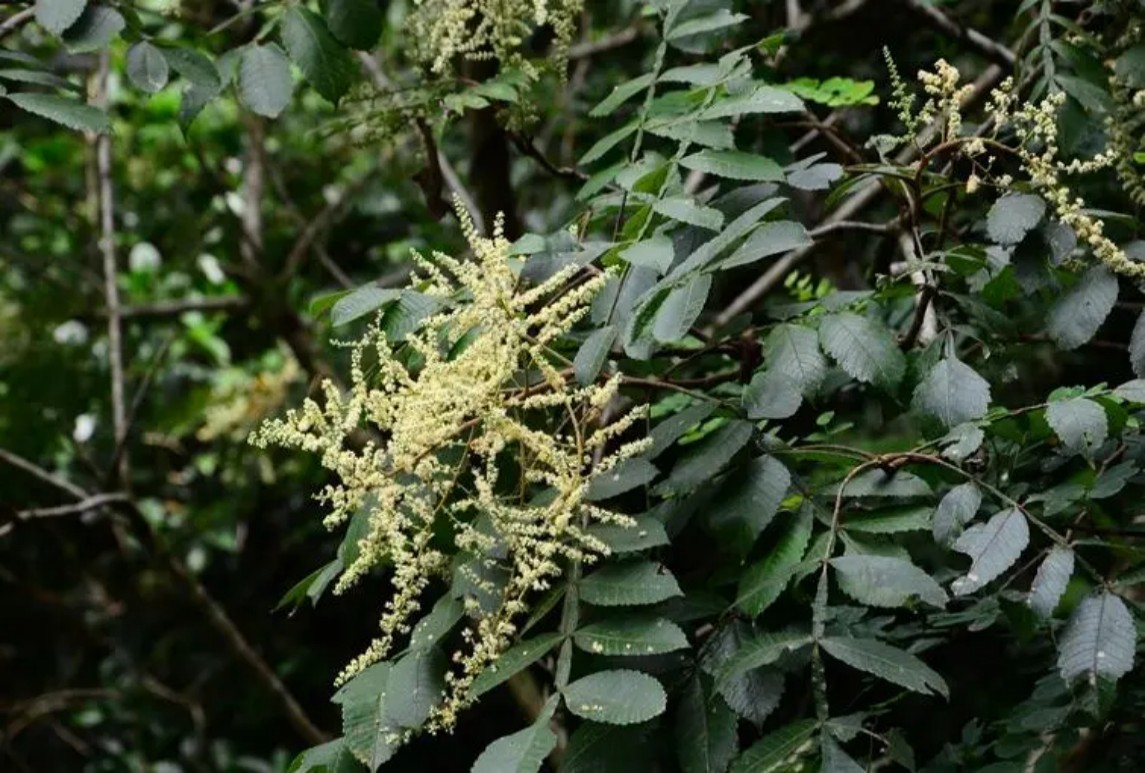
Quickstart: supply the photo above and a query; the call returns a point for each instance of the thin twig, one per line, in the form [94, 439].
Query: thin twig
[382, 83]
[84, 505]
[592, 48]
[16, 20]
[327, 216]
[847, 211]
[105, 195]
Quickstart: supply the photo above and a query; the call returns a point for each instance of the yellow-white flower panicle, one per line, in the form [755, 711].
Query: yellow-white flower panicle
[480, 452]
[443, 31]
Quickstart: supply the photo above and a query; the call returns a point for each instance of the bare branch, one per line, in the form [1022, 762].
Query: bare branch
[83, 506]
[989, 48]
[38, 472]
[16, 20]
[594, 47]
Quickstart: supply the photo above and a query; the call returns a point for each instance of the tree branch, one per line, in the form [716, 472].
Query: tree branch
[989, 48]
[105, 195]
[16, 20]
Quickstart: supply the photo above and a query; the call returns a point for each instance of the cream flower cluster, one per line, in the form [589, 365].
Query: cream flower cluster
[945, 97]
[481, 453]
[1034, 126]
[443, 30]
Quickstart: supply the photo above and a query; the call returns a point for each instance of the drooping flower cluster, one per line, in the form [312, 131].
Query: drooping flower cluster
[1031, 133]
[443, 30]
[481, 451]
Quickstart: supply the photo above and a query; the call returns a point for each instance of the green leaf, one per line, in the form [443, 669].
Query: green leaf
[324, 62]
[264, 79]
[617, 697]
[953, 393]
[882, 581]
[705, 459]
[681, 308]
[311, 586]
[763, 99]
[629, 583]
[734, 165]
[779, 750]
[880, 483]
[600, 748]
[435, 626]
[67, 112]
[1137, 347]
[771, 395]
[1080, 423]
[1099, 640]
[767, 240]
[416, 684]
[687, 211]
[633, 634]
[993, 548]
[57, 15]
[363, 301]
[1075, 318]
[607, 143]
[195, 67]
[794, 351]
[524, 751]
[670, 430]
[96, 27]
[736, 229]
[1132, 391]
[764, 580]
[1130, 66]
[368, 734]
[517, 658]
[195, 98]
[705, 734]
[37, 77]
[748, 501]
[817, 177]
[593, 353]
[625, 476]
[656, 253]
[356, 23]
[956, 509]
[760, 649]
[711, 22]
[330, 757]
[886, 662]
[647, 533]
[147, 68]
[621, 94]
[835, 760]
[1013, 216]
[1051, 580]
[895, 521]
[863, 347]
